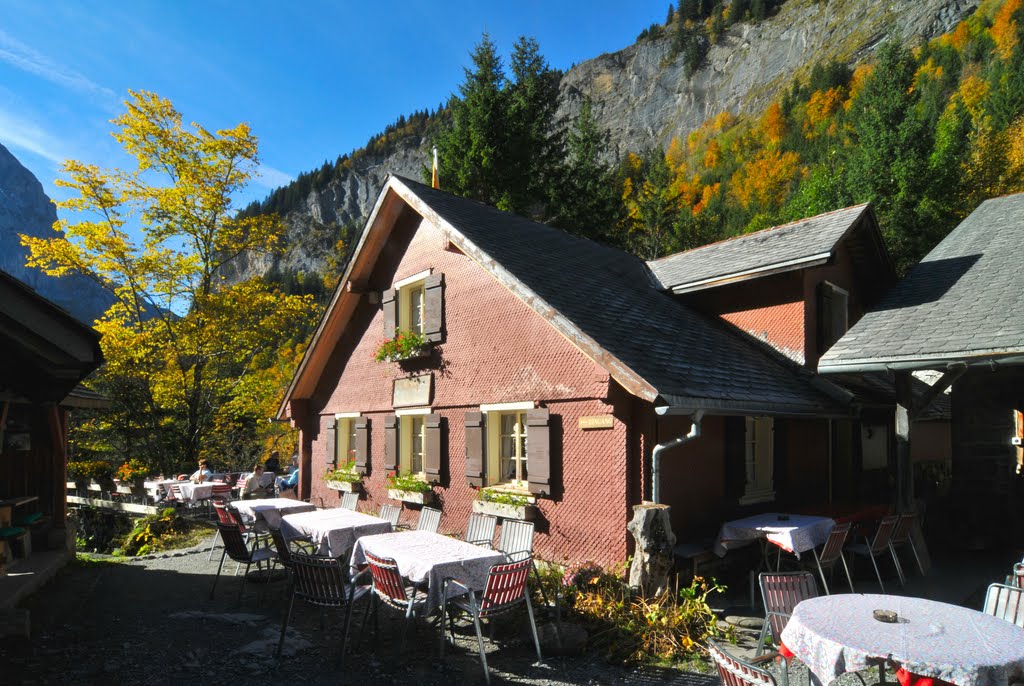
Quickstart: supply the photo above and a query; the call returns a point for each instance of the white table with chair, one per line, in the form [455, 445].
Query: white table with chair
[192, 492]
[270, 510]
[840, 633]
[334, 530]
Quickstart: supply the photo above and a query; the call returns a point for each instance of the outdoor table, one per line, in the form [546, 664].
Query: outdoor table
[423, 556]
[163, 485]
[793, 533]
[334, 530]
[193, 493]
[838, 633]
[270, 510]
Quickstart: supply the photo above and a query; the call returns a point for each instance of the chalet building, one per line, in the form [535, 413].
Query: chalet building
[960, 315]
[585, 380]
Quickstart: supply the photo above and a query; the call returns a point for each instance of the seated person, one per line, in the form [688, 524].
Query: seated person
[273, 463]
[290, 481]
[202, 474]
[253, 486]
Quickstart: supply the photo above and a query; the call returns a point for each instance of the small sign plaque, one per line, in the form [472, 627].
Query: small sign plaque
[597, 421]
[412, 391]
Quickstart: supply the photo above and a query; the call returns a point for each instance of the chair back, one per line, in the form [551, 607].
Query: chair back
[833, 547]
[516, 539]
[391, 513]
[176, 493]
[781, 593]
[318, 580]
[1018, 575]
[1005, 602]
[387, 581]
[349, 501]
[884, 533]
[901, 534]
[506, 587]
[480, 529]
[234, 542]
[221, 489]
[430, 520]
[284, 552]
[223, 514]
[736, 672]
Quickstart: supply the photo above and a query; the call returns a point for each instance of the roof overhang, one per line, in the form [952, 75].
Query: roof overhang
[981, 359]
[679, 405]
[766, 270]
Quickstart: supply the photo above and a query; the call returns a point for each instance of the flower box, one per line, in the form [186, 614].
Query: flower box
[130, 487]
[527, 511]
[417, 497]
[346, 486]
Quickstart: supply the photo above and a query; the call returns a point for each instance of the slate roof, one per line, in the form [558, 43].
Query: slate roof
[780, 248]
[606, 295]
[963, 302]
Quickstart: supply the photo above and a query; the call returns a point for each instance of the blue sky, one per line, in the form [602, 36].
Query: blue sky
[313, 79]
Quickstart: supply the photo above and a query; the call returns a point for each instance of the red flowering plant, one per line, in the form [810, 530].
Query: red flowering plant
[132, 470]
[405, 345]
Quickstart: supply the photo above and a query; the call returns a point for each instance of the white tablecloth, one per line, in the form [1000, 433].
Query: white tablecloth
[426, 556]
[838, 633]
[192, 493]
[270, 510]
[161, 487]
[797, 534]
[334, 530]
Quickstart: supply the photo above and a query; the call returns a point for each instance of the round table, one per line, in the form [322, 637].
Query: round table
[838, 633]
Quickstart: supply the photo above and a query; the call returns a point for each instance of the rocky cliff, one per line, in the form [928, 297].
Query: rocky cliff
[643, 98]
[24, 208]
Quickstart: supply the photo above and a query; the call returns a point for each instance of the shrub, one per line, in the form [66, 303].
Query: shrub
[90, 469]
[132, 470]
[346, 472]
[155, 532]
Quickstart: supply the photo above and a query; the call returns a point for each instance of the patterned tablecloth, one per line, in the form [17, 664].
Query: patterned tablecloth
[838, 633]
[334, 530]
[796, 534]
[426, 556]
[270, 510]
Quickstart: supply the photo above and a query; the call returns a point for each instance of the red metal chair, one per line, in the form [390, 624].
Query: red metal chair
[781, 593]
[389, 587]
[736, 672]
[237, 550]
[832, 552]
[877, 546]
[505, 590]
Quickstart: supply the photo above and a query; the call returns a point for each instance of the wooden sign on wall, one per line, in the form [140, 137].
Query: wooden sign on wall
[597, 421]
[412, 391]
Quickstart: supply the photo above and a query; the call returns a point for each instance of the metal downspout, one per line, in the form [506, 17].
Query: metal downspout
[675, 442]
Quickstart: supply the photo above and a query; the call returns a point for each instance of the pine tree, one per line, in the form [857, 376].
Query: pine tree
[671, 14]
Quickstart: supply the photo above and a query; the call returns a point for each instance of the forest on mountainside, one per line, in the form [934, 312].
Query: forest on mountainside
[924, 133]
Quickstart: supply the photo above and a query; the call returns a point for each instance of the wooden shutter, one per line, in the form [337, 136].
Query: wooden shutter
[475, 435]
[432, 447]
[390, 441]
[433, 308]
[826, 305]
[362, 444]
[735, 456]
[331, 442]
[538, 455]
[389, 305]
[780, 455]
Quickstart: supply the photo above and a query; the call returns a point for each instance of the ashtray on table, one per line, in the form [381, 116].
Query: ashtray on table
[887, 616]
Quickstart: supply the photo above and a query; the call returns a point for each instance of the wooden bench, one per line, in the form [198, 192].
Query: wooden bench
[691, 556]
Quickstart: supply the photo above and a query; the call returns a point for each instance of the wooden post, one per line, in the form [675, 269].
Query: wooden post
[299, 410]
[56, 422]
[904, 468]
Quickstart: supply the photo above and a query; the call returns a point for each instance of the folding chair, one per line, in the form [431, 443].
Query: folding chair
[505, 590]
[390, 588]
[735, 672]
[1005, 602]
[236, 549]
[480, 529]
[516, 542]
[430, 520]
[832, 552]
[901, 538]
[320, 581]
[877, 546]
[349, 501]
[781, 593]
[391, 513]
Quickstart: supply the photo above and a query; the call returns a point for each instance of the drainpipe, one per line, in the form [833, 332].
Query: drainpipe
[675, 442]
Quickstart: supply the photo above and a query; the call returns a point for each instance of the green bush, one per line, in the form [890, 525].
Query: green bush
[91, 469]
[155, 532]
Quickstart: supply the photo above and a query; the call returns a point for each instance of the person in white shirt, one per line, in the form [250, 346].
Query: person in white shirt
[252, 487]
[202, 474]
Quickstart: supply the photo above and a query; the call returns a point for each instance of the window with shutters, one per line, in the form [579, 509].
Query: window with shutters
[759, 460]
[415, 304]
[412, 441]
[507, 444]
[833, 314]
[345, 445]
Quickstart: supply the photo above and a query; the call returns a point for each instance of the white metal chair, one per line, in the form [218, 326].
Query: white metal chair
[430, 520]
[480, 529]
[391, 513]
[832, 553]
[349, 501]
[877, 546]
[736, 672]
[506, 589]
[902, 537]
[1005, 602]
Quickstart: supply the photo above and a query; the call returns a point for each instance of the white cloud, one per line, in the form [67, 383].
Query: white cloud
[271, 178]
[27, 59]
[27, 135]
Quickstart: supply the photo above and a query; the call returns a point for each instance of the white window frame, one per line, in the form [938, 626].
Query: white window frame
[406, 422]
[759, 460]
[405, 290]
[494, 413]
[344, 427]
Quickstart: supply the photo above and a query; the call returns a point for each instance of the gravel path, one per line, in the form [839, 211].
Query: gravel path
[151, 622]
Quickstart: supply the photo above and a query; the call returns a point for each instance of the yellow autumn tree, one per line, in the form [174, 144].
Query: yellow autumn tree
[766, 181]
[192, 363]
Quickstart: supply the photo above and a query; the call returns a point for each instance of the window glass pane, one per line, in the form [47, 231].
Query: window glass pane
[416, 309]
[351, 441]
[417, 445]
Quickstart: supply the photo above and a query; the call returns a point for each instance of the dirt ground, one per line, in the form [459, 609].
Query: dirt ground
[152, 622]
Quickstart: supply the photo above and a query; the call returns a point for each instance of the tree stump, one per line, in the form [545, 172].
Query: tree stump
[652, 528]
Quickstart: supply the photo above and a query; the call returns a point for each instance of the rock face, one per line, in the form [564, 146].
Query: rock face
[24, 208]
[643, 98]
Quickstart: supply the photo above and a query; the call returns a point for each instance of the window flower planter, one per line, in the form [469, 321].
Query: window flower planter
[346, 486]
[406, 345]
[527, 511]
[417, 497]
